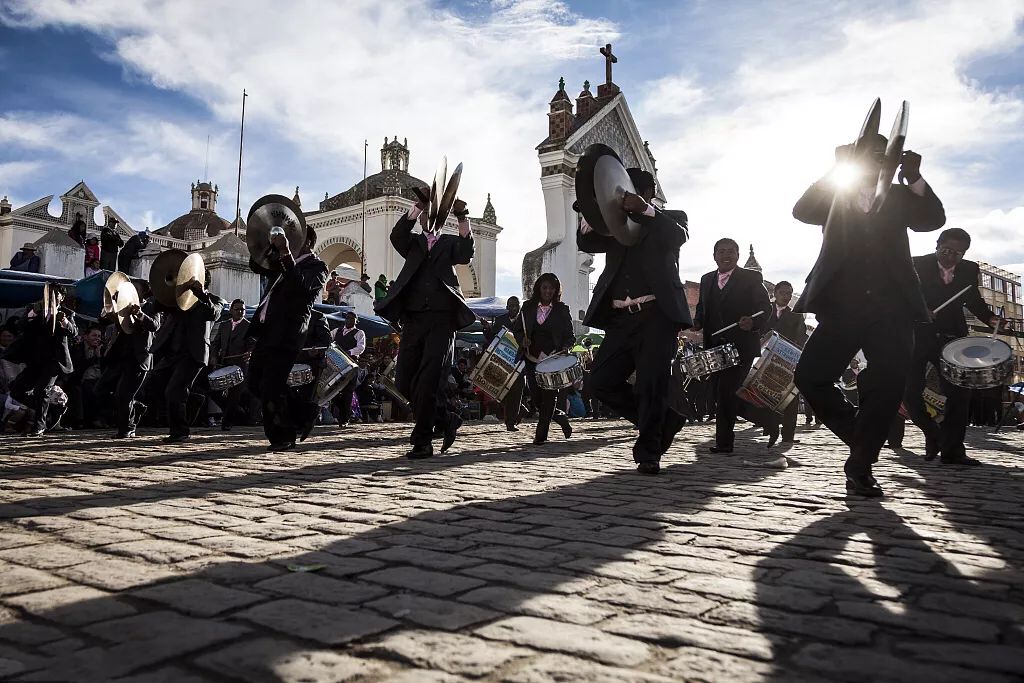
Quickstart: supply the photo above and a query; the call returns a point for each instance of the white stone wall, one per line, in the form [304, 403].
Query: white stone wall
[61, 260]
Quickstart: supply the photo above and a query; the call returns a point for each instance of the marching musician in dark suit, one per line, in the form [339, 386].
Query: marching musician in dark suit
[427, 302]
[512, 405]
[728, 295]
[128, 362]
[943, 274]
[352, 341]
[640, 304]
[793, 328]
[233, 347]
[44, 350]
[866, 295]
[181, 348]
[280, 326]
[548, 330]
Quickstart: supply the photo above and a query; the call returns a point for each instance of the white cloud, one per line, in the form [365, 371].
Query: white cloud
[15, 172]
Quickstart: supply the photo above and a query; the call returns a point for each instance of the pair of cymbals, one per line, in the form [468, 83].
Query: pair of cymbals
[110, 289]
[170, 275]
[443, 191]
[893, 148]
[601, 183]
[125, 297]
[270, 212]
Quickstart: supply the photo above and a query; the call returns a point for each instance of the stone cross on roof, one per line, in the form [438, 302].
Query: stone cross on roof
[609, 59]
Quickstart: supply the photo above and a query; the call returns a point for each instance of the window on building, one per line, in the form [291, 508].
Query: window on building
[986, 281]
[204, 203]
[1016, 292]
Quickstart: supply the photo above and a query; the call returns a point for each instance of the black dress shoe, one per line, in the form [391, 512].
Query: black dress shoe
[281, 446]
[931, 449]
[648, 467]
[449, 433]
[538, 441]
[863, 485]
[125, 435]
[961, 460]
[513, 428]
[563, 422]
[420, 452]
[773, 436]
[225, 426]
[717, 449]
[177, 438]
[788, 442]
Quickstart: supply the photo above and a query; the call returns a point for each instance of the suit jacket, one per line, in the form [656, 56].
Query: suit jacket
[141, 340]
[292, 295]
[744, 294]
[448, 251]
[659, 245]
[39, 345]
[132, 248]
[194, 325]
[950, 320]
[232, 342]
[885, 233]
[791, 325]
[554, 335]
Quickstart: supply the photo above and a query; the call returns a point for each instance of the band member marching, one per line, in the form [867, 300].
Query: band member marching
[512, 405]
[352, 341]
[281, 321]
[129, 360]
[548, 330]
[181, 348]
[639, 303]
[866, 295]
[727, 295]
[233, 347]
[792, 327]
[942, 275]
[427, 302]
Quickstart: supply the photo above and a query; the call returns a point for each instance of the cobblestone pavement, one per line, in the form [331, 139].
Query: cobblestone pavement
[504, 561]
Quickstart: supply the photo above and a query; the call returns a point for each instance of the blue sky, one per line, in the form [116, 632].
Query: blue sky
[742, 103]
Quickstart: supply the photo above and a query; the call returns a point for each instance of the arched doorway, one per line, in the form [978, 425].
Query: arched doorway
[340, 250]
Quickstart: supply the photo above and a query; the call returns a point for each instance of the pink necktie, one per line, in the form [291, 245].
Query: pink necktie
[542, 314]
[947, 275]
[432, 240]
[723, 279]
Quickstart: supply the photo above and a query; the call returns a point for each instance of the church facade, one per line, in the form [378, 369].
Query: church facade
[602, 119]
[354, 226]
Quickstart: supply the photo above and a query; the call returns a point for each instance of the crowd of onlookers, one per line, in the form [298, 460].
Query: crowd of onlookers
[337, 287]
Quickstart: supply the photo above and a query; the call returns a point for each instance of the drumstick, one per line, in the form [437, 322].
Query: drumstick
[999, 322]
[952, 299]
[729, 327]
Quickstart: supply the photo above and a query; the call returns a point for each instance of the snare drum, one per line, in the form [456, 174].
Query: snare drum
[225, 378]
[300, 375]
[558, 372]
[769, 384]
[337, 371]
[709, 361]
[499, 367]
[977, 362]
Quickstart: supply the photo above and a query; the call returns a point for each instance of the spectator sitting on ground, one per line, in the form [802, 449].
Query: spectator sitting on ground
[26, 260]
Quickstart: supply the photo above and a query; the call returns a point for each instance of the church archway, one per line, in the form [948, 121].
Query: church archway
[340, 250]
[468, 281]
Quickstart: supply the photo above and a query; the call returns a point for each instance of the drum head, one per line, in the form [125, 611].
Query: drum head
[557, 363]
[976, 352]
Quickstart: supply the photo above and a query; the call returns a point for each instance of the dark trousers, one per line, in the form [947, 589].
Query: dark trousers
[887, 342]
[176, 374]
[234, 398]
[512, 405]
[424, 361]
[268, 376]
[950, 435]
[644, 342]
[37, 378]
[108, 259]
[123, 379]
[343, 402]
[730, 405]
[769, 419]
[544, 400]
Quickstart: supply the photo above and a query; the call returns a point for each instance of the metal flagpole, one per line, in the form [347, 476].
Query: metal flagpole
[238, 188]
[362, 241]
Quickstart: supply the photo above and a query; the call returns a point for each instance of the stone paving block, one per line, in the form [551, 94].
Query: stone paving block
[241, 546]
[420, 557]
[16, 580]
[583, 641]
[566, 669]
[709, 666]
[659, 599]
[424, 676]
[116, 574]
[442, 614]
[238, 572]
[49, 555]
[16, 630]
[922, 621]
[967, 605]
[72, 605]
[860, 663]
[435, 583]
[676, 631]
[449, 652]
[795, 599]
[156, 551]
[310, 586]
[313, 621]
[542, 581]
[272, 660]
[1006, 658]
[197, 597]
[753, 618]
[167, 674]
[570, 608]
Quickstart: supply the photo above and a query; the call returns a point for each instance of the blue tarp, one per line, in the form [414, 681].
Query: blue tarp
[487, 306]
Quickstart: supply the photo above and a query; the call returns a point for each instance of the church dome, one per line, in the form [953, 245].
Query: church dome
[202, 221]
[393, 179]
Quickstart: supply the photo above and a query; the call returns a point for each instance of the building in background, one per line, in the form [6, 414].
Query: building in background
[1001, 289]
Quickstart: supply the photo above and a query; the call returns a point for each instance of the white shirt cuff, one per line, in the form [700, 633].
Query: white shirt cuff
[464, 228]
[585, 226]
[414, 212]
[649, 211]
[918, 187]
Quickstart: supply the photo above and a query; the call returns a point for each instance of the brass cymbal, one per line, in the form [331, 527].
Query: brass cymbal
[444, 204]
[601, 182]
[437, 188]
[110, 288]
[872, 121]
[893, 154]
[125, 296]
[192, 268]
[163, 276]
[273, 211]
